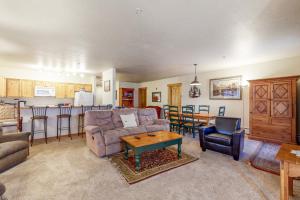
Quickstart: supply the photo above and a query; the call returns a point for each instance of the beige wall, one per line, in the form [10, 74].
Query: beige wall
[237, 108]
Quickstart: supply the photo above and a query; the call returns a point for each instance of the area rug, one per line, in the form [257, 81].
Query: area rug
[152, 163]
[264, 159]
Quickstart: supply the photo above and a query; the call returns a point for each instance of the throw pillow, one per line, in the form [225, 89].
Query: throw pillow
[128, 120]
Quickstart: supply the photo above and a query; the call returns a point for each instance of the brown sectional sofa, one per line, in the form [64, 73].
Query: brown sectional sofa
[104, 128]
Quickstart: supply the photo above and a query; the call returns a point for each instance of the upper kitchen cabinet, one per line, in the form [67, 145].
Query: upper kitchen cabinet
[60, 91]
[27, 88]
[44, 84]
[86, 87]
[2, 87]
[12, 87]
[69, 90]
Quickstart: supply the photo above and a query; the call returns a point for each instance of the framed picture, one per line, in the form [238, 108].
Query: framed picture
[225, 88]
[156, 96]
[107, 86]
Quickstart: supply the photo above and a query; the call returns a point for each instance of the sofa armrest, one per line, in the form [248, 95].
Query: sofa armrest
[14, 137]
[93, 129]
[237, 143]
[204, 130]
[161, 121]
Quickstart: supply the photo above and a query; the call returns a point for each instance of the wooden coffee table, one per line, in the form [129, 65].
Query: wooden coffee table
[162, 139]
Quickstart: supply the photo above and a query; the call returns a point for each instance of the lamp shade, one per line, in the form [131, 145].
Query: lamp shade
[195, 81]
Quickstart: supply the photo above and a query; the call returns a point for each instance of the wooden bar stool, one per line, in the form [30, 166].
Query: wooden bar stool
[38, 113]
[64, 113]
[81, 118]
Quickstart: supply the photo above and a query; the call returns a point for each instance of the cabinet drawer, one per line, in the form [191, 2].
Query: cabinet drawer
[272, 132]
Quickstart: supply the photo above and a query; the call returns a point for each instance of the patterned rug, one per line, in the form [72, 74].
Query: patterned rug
[152, 163]
[264, 159]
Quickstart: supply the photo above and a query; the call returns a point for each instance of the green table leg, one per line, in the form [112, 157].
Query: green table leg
[126, 152]
[179, 149]
[137, 161]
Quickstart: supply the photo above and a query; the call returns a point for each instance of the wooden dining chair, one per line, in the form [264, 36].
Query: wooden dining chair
[188, 120]
[204, 109]
[193, 106]
[174, 117]
[221, 111]
[166, 111]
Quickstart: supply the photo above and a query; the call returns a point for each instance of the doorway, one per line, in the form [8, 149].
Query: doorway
[142, 97]
[174, 95]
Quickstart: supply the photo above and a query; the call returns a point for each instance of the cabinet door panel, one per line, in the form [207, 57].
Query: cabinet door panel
[2, 87]
[27, 88]
[70, 90]
[261, 99]
[281, 105]
[12, 87]
[60, 91]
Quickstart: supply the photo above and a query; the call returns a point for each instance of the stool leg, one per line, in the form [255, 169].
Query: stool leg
[45, 130]
[32, 132]
[60, 121]
[57, 128]
[79, 123]
[69, 127]
[82, 126]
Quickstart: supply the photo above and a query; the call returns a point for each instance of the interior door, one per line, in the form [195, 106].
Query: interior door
[142, 97]
[174, 96]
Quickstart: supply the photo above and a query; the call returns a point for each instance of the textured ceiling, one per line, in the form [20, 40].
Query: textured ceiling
[162, 41]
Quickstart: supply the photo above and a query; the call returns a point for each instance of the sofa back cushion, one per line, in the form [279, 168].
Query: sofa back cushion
[127, 111]
[101, 118]
[147, 116]
[227, 125]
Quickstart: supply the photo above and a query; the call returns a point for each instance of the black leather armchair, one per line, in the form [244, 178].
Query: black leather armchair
[225, 137]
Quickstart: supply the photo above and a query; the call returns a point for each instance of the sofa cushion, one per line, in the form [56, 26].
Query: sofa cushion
[136, 130]
[147, 116]
[155, 127]
[7, 148]
[117, 119]
[113, 136]
[92, 129]
[128, 120]
[219, 138]
[101, 118]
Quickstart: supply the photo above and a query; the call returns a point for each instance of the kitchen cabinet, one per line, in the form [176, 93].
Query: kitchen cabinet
[44, 84]
[60, 91]
[69, 91]
[12, 87]
[27, 88]
[86, 87]
[2, 87]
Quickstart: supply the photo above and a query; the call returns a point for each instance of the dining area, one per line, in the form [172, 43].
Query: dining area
[187, 119]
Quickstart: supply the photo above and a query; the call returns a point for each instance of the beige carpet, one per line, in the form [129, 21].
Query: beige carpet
[68, 170]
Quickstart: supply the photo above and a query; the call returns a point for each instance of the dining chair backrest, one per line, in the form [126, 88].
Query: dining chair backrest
[221, 111]
[65, 110]
[187, 114]
[166, 111]
[85, 108]
[39, 111]
[174, 114]
[193, 106]
[204, 108]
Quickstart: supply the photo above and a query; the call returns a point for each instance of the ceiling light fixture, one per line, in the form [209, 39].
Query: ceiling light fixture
[195, 81]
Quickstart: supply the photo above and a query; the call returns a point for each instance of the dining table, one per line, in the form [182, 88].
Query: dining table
[206, 117]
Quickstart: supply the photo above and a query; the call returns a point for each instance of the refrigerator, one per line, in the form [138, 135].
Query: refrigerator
[83, 98]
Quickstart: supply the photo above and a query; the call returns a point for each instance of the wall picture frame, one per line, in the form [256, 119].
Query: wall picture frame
[156, 96]
[106, 86]
[228, 88]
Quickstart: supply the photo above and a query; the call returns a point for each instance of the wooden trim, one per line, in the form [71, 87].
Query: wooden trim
[175, 84]
[142, 88]
[275, 78]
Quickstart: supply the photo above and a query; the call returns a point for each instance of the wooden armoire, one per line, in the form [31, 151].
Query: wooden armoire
[273, 109]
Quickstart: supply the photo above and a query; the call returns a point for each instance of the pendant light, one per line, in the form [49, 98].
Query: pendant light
[195, 81]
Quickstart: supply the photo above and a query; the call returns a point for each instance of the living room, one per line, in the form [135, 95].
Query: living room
[149, 100]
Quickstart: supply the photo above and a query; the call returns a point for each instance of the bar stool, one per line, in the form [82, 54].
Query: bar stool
[81, 118]
[64, 113]
[38, 113]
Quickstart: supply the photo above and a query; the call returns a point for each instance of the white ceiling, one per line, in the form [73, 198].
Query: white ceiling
[163, 41]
